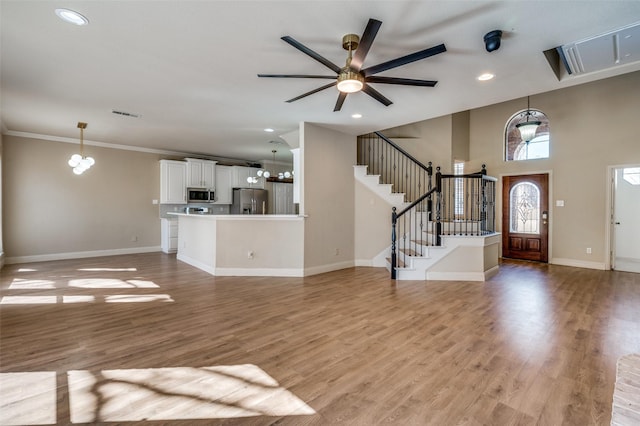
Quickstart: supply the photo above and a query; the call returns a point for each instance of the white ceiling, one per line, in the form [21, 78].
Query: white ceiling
[188, 68]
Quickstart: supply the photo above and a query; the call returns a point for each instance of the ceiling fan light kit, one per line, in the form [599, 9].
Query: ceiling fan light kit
[352, 77]
[350, 82]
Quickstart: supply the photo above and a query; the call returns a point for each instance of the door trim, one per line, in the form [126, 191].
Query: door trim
[608, 214]
[551, 206]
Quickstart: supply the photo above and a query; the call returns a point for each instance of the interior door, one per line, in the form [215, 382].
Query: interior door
[626, 226]
[525, 217]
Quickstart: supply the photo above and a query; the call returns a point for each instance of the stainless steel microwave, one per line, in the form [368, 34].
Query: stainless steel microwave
[200, 195]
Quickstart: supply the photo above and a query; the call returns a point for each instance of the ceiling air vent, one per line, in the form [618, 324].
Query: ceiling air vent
[125, 114]
[612, 49]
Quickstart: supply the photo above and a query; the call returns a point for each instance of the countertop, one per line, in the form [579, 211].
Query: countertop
[237, 216]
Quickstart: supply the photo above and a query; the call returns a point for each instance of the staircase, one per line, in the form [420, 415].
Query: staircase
[443, 227]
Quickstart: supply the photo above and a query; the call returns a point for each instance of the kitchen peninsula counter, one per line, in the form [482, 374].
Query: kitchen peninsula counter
[242, 245]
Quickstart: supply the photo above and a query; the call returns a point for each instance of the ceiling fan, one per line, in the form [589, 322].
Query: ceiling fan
[352, 77]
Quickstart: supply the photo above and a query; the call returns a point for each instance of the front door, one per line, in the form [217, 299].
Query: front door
[525, 217]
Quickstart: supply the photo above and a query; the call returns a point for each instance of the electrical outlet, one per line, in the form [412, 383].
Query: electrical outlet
[134, 238]
[250, 254]
[588, 250]
[337, 253]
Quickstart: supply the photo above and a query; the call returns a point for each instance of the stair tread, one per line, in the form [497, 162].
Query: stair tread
[408, 251]
[399, 264]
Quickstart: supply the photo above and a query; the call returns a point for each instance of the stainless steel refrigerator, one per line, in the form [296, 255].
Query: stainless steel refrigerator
[249, 201]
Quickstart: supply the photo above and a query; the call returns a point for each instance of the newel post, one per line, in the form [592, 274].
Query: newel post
[438, 205]
[430, 185]
[394, 220]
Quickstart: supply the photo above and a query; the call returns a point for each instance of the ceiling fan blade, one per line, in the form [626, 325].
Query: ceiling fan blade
[394, 63]
[366, 41]
[326, 86]
[376, 95]
[304, 49]
[403, 81]
[330, 77]
[341, 97]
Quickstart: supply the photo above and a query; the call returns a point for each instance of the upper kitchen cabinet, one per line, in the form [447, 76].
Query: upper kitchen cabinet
[240, 175]
[224, 178]
[173, 176]
[201, 173]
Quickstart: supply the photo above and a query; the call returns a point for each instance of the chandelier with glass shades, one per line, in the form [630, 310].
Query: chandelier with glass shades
[264, 173]
[78, 162]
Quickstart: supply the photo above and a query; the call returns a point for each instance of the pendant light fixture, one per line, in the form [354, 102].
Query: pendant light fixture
[79, 162]
[264, 173]
[528, 127]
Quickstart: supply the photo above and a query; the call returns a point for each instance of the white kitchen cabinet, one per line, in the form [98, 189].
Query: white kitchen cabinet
[201, 173]
[224, 178]
[240, 175]
[173, 175]
[169, 235]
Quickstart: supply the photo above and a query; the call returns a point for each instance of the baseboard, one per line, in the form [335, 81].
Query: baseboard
[577, 263]
[196, 263]
[241, 272]
[259, 272]
[488, 274]
[363, 262]
[328, 268]
[455, 276]
[79, 255]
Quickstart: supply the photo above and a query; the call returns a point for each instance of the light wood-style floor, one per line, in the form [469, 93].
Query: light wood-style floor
[536, 344]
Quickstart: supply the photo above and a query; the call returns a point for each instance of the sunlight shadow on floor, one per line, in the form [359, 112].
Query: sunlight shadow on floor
[110, 283]
[115, 298]
[179, 393]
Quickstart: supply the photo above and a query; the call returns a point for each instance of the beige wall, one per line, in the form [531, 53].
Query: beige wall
[1, 220]
[49, 210]
[592, 126]
[428, 140]
[328, 197]
[372, 224]
[460, 136]
[276, 245]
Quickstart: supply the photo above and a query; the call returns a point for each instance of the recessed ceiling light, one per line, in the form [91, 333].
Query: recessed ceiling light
[268, 130]
[356, 115]
[486, 76]
[71, 16]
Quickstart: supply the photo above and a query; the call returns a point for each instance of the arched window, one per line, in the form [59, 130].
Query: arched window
[515, 148]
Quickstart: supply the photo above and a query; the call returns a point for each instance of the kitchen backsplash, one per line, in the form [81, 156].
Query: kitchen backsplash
[213, 208]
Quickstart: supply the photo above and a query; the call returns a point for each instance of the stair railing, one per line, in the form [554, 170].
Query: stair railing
[415, 227]
[467, 205]
[394, 165]
[455, 205]
[464, 205]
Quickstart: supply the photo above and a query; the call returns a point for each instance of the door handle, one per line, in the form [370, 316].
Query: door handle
[617, 223]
